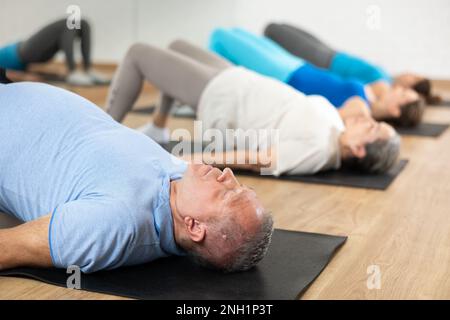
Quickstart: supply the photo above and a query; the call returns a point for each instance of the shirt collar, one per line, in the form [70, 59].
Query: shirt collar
[164, 221]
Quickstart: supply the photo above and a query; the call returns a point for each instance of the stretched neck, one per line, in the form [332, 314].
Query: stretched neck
[177, 220]
[345, 150]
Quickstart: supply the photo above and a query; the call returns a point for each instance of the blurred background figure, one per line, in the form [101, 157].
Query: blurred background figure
[43, 46]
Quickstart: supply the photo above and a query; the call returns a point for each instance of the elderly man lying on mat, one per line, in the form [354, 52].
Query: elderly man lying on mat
[98, 195]
[313, 135]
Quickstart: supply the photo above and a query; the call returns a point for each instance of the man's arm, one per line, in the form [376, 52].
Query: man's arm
[237, 159]
[26, 245]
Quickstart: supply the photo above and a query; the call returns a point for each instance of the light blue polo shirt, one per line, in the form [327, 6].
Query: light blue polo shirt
[106, 186]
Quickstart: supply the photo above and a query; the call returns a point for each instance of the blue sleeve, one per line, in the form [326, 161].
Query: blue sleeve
[91, 234]
[253, 53]
[312, 80]
[352, 67]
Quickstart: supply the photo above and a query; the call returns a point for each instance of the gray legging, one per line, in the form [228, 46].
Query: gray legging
[301, 43]
[43, 45]
[180, 73]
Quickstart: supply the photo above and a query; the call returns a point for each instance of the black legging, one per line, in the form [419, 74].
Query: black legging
[301, 43]
[3, 77]
[43, 46]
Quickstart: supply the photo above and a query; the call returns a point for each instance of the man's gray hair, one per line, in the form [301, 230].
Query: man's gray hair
[246, 250]
[254, 247]
[381, 155]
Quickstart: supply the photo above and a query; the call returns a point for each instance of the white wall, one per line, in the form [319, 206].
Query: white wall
[165, 20]
[114, 21]
[413, 35]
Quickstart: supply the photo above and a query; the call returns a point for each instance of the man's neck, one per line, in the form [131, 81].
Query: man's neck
[175, 216]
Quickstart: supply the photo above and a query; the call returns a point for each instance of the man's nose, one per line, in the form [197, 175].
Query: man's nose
[228, 176]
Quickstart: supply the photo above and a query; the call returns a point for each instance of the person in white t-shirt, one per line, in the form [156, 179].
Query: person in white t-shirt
[313, 135]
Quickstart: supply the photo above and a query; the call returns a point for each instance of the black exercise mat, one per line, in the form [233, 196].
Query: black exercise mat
[149, 110]
[3, 78]
[146, 110]
[294, 261]
[433, 130]
[443, 103]
[60, 79]
[342, 177]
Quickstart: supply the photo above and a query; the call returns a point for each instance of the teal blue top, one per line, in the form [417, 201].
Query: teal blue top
[266, 57]
[10, 59]
[354, 68]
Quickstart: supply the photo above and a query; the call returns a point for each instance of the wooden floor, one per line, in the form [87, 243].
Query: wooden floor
[404, 230]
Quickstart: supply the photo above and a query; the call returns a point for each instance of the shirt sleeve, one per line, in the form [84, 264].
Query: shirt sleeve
[91, 234]
[298, 157]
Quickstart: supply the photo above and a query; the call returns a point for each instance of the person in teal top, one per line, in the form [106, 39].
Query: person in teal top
[10, 58]
[352, 67]
[266, 57]
[305, 45]
[43, 45]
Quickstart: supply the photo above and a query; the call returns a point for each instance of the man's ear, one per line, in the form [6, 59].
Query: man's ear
[195, 229]
[358, 151]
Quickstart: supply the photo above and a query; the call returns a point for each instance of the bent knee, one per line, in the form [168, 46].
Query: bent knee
[138, 49]
[272, 29]
[218, 35]
[178, 44]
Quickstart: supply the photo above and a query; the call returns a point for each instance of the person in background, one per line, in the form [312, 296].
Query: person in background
[260, 54]
[313, 135]
[305, 45]
[42, 46]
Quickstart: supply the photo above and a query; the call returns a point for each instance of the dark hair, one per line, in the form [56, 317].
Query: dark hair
[381, 155]
[424, 88]
[249, 251]
[411, 114]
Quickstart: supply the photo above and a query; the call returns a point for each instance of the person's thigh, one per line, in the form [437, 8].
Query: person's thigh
[43, 45]
[176, 75]
[239, 50]
[208, 58]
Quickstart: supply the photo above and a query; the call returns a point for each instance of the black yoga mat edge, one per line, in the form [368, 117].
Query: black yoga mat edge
[443, 103]
[400, 166]
[425, 129]
[60, 79]
[332, 255]
[149, 110]
[326, 246]
[24, 275]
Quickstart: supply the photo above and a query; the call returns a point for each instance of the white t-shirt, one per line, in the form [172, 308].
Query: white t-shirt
[309, 126]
